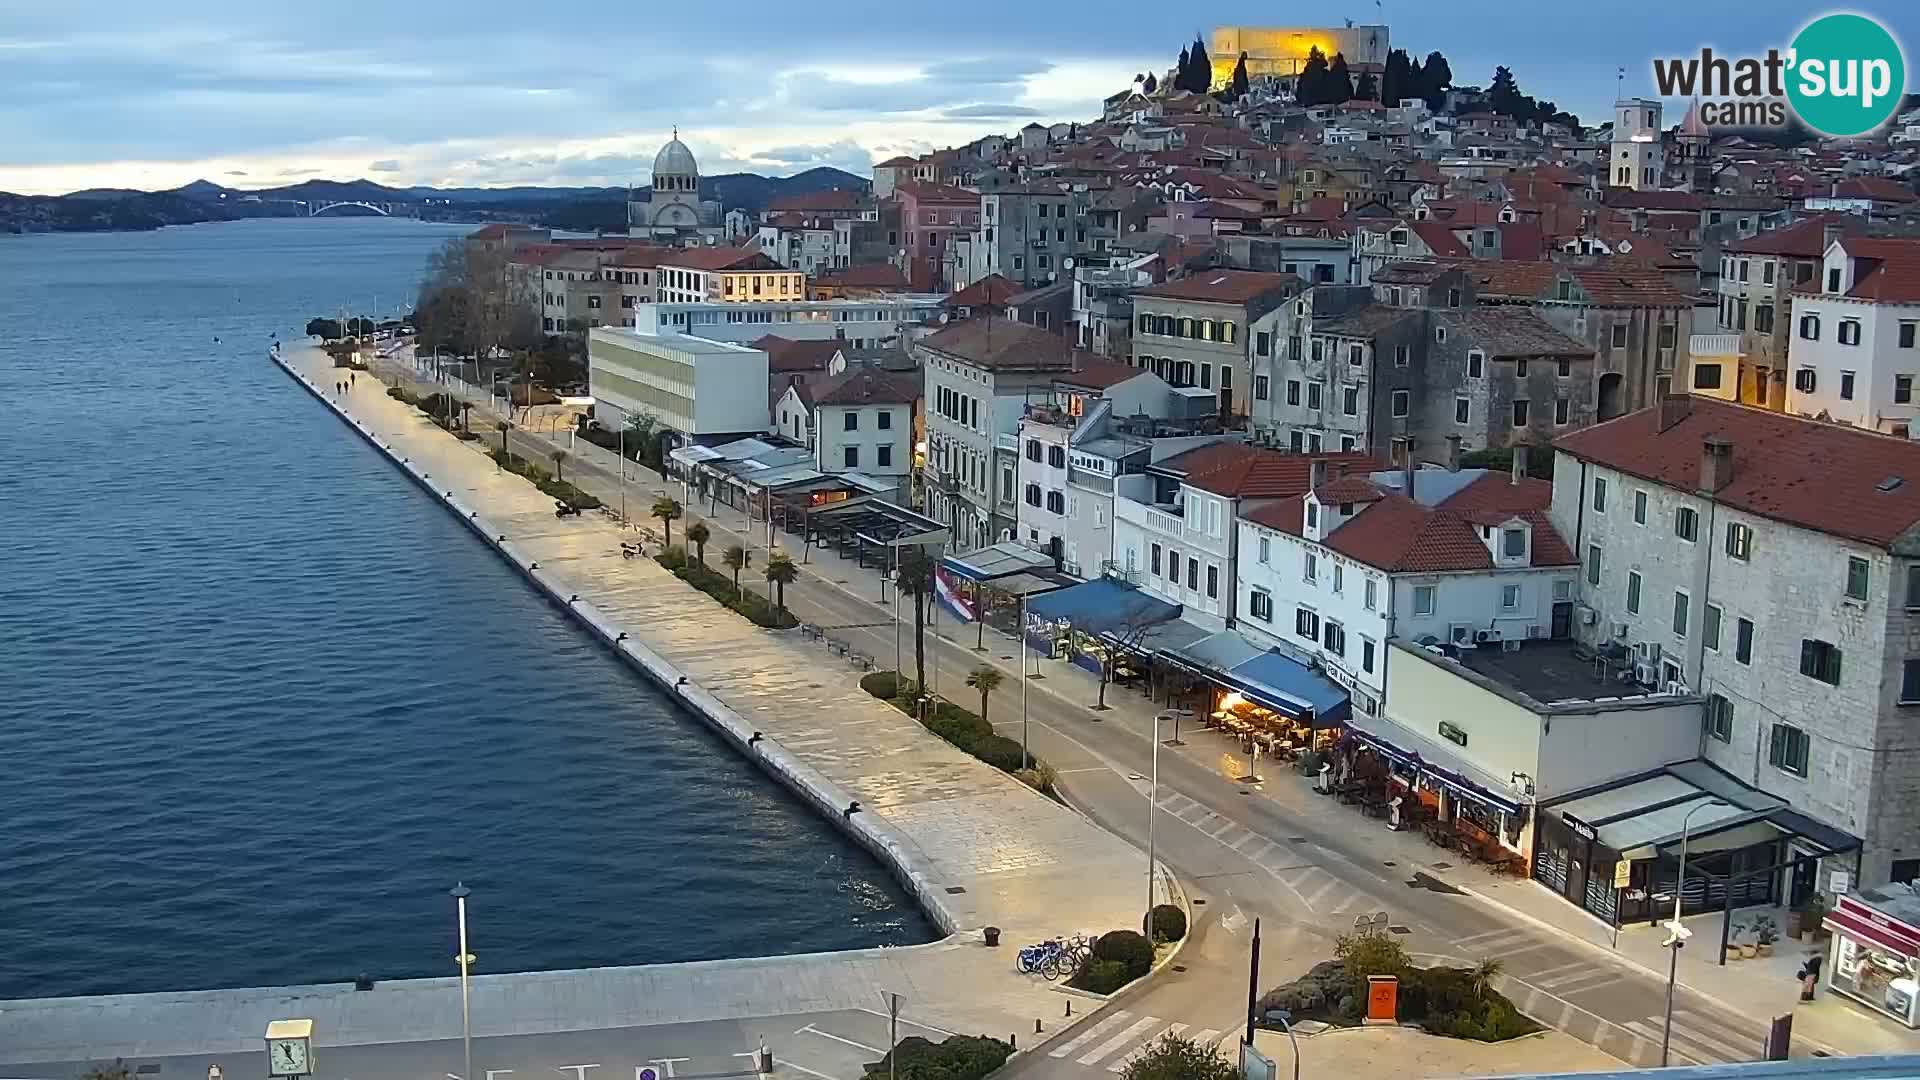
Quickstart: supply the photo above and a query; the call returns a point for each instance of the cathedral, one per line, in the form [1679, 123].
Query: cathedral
[675, 209]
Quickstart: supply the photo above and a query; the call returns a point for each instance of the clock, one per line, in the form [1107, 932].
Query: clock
[290, 1048]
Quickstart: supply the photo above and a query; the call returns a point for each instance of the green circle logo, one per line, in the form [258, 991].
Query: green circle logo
[1847, 76]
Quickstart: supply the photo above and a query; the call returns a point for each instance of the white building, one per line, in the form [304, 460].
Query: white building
[1854, 354]
[860, 323]
[863, 421]
[1638, 159]
[691, 385]
[1469, 560]
[1768, 563]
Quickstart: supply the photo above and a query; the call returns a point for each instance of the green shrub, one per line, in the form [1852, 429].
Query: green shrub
[1040, 778]
[1174, 1058]
[1000, 752]
[881, 684]
[1127, 947]
[1169, 923]
[1101, 976]
[958, 1057]
[1371, 953]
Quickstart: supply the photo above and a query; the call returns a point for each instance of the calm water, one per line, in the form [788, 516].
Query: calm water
[261, 703]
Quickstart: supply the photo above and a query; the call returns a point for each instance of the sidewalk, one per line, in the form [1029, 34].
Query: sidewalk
[1747, 987]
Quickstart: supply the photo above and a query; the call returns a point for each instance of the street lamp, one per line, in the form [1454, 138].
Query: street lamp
[1026, 760]
[1677, 934]
[1152, 802]
[460, 892]
[1284, 1017]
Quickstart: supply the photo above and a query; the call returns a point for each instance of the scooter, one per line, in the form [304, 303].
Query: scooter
[631, 551]
[562, 510]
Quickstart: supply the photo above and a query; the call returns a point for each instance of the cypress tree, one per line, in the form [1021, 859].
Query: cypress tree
[1240, 77]
[1201, 80]
[1339, 83]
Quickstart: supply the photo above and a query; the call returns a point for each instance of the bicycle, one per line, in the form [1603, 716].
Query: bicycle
[1048, 959]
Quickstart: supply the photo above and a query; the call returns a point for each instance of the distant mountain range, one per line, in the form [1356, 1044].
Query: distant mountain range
[581, 208]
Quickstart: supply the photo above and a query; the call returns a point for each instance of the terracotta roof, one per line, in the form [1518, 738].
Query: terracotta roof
[801, 382]
[1099, 374]
[863, 385]
[1002, 343]
[993, 290]
[1505, 331]
[1364, 320]
[787, 355]
[722, 258]
[1887, 270]
[937, 194]
[902, 161]
[1239, 471]
[815, 201]
[1438, 238]
[1215, 209]
[1224, 286]
[1873, 187]
[1348, 489]
[1399, 535]
[1804, 239]
[1613, 284]
[1652, 200]
[864, 276]
[1819, 476]
[1412, 272]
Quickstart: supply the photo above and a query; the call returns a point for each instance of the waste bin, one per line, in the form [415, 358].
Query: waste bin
[993, 936]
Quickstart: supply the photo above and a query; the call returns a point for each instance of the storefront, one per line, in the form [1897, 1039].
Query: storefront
[1876, 951]
[1276, 706]
[1082, 622]
[1457, 804]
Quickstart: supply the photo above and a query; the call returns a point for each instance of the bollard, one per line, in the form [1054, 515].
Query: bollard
[1013, 1040]
[1069, 1006]
[1036, 1025]
[763, 1059]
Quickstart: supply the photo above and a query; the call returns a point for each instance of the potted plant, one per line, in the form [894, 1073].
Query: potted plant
[1812, 915]
[1765, 933]
[1793, 924]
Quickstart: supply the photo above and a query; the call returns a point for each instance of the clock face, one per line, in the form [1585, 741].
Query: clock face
[287, 1057]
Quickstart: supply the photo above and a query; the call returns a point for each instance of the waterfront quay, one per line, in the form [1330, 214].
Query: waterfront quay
[976, 847]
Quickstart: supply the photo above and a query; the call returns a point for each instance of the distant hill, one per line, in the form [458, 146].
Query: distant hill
[582, 208]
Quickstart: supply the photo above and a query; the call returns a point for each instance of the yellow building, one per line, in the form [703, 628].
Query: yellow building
[1283, 51]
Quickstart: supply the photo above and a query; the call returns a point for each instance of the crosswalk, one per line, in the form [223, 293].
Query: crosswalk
[1701, 1039]
[1121, 1037]
[1295, 866]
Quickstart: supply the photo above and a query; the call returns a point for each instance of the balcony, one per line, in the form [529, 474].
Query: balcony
[1007, 441]
[1714, 344]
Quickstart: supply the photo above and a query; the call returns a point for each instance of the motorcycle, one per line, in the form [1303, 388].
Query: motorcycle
[631, 551]
[562, 510]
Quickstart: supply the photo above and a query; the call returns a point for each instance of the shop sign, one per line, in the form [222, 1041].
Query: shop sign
[1839, 881]
[1622, 874]
[1579, 828]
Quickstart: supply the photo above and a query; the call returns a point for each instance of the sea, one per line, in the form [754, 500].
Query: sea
[263, 704]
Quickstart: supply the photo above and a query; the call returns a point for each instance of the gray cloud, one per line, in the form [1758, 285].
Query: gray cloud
[385, 165]
[990, 112]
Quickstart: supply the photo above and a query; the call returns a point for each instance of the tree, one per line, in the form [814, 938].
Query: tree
[668, 510]
[986, 680]
[913, 575]
[1339, 83]
[1240, 77]
[324, 329]
[1135, 623]
[1199, 67]
[1366, 89]
[1311, 87]
[1174, 1058]
[1396, 80]
[1180, 70]
[116, 1071]
[472, 301]
[780, 573]
[1485, 972]
[502, 427]
[559, 459]
[698, 534]
[1436, 77]
[1150, 85]
[736, 559]
[1503, 95]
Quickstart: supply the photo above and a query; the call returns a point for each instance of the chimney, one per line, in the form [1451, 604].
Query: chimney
[1316, 474]
[1519, 462]
[1829, 234]
[1453, 453]
[1716, 464]
[1673, 409]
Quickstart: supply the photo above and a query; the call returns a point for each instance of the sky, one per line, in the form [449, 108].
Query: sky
[117, 93]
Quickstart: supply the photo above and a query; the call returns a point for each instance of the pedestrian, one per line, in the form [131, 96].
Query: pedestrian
[351, 376]
[1810, 975]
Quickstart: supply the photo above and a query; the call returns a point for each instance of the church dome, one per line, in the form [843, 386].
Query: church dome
[674, 159]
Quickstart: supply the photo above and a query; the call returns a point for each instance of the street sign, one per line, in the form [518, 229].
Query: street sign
[1622, 874]
[1840, 881]
[648, 1072]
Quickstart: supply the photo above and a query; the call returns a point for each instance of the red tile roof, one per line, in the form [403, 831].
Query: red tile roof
[1652, 200]
[1003, 343]
[1438, 238]
[1224, 286]
[864, 385]
[819, 201]
[1239, 471]
[786, 354]
[1804, 239]
[1818, 476]
[900, 162]
[994, 290]
[722, 258]
[1400, 535]
[936, 194]
[1888, 269]
[1877, 188]
[863, 276]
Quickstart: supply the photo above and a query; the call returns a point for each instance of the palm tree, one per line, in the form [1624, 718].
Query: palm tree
[698, 534]
[668, 510]
[735, 559]
[986, 680]
[780, 573]
[913, 575]
[1484, 973]
[559, 459]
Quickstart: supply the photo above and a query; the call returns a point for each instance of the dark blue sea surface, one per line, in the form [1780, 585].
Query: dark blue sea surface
[262, 703]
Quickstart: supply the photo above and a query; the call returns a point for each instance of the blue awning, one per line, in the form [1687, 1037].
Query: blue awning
[1290, 688]
[1164, 638]
[1214, 653]
[1101, 604]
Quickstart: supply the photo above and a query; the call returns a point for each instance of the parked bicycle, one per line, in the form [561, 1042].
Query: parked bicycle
[1056, 957]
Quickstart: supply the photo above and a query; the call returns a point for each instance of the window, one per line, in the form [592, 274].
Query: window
[1706, 376]
[1366, 655]
[1356, 355]
[1743, 640]
[1903, 389]
[1787, 749]
[1686, 524]
[1033, 494]
[1313, 517]
[1476, 363]
[853, 420]
[1633, 592]
[1173, 567]
[1857, 574]
[1293, 391]
[1906, 335]
[884, 457]
[1462, 410]
[1423, 599]
[884, 420]
[1739, 541]
[1913, 586]
[1453, 298]
[1154, 565]
[1820, 660]
[1057, 456]
[1804, 380]
[1296, 441]
[1313, 396]
[1669, 333]
[1810, 327]
[1371, 591]
[1846, 386]
[1639, 508]
[1682, 610]
[1440, 334]
[1599, 494]
[1033, 450]
[1335, 638]
[1318, 349]
[1263, 343]
[1193, 573]
[1513, 543]
[1213, 582]
[1849, 331]
[1620, 335]
[1562, 411]
[1402, 402]
[1266, 549]
[1520, 412]
[1311, 569]
[1350, 400]
[1260, 604]
[1520, 367]
[1593, 564]
[1306, 623]
[1259, 388]
[1509, 598]
[1400, 356]
[1910, 682]
[1056, 503]
[1718, 719]
[853, 457]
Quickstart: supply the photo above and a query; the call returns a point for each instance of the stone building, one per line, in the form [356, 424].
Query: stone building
[674, 208]
[1193, 332]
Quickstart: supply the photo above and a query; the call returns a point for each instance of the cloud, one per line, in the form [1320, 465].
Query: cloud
[236, 172]
[385, 165]
[990, 112]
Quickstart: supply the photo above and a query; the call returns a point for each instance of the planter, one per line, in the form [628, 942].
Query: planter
[1765, 949]
[1794, 922]
[1731, 953]
[1748, 952]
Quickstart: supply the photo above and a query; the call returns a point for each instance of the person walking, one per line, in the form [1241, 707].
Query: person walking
[351, 376]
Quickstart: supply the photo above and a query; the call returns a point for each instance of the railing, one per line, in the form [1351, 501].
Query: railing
[1006, 441]
[1714, 344]
[1149, 517]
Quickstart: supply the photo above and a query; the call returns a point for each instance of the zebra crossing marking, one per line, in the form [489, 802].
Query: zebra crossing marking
[1140, 1027]
[1705, 1048]
[1130, 1056]
[1092, 1033]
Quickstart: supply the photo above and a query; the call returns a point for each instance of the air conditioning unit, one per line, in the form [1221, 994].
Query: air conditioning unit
[1462, 635]
[1645, 674]
[1486, 637]
[1588, 616]
[1536, 632]
[1675, 687]
[1512, 644]
[1648, 651]
[1620, 631]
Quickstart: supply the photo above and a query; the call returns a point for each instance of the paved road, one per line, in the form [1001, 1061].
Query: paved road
[1266, 850]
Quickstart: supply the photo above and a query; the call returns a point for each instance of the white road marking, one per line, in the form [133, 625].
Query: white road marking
[811, 1030]
[912, 1023]
[1092, 1033]
[1123, 1062]
[1139, 1028]
[1208, 1037]
[801, 1068]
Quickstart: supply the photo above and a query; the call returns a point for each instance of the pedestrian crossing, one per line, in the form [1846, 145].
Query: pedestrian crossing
[1699, 1039]
[1122, 1037]
[1293, 865]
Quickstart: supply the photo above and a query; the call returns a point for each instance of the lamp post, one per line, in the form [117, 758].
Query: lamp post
[1286, 1025]
[460, 892]
[1026, 760]
[1677, 934]
[1153, 801]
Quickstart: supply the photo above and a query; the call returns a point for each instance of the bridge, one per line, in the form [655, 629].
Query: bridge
[318, 208]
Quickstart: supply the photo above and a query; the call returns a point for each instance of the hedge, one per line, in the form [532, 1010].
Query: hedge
[720, 586]
[1168, 922]
[964, 730]
[958, 1057]
[1119, 957]
[560, 490]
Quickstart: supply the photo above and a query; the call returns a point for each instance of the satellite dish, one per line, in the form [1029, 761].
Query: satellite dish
[1067, 262]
